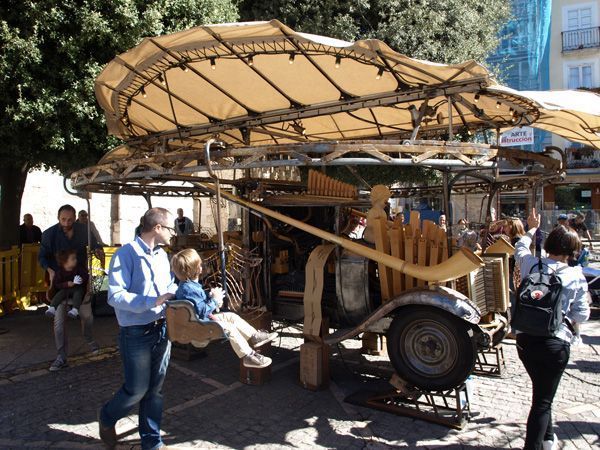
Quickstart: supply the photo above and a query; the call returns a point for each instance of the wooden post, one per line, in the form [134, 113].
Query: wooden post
[115, 219]
[421, 257]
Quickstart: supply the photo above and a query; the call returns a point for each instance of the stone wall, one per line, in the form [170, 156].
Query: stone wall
[44, 194]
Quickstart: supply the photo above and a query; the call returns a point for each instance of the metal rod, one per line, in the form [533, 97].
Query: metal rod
[218, 222]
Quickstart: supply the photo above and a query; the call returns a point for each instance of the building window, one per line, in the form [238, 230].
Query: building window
[580, 76]
[578, 18]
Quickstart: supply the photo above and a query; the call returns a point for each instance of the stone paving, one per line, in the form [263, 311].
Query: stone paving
[207, 407]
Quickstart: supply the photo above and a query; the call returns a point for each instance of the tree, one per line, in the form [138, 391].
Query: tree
[51, 53]
[446, 32]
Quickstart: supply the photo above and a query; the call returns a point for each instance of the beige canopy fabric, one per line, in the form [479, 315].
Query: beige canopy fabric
[262, 83]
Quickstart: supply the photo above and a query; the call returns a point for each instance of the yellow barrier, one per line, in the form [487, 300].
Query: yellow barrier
[32, 274]
[22, 278]
[9, 279]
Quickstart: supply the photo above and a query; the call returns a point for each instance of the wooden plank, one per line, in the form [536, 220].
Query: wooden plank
[409, 251]
[314, 365]
[382, 244]
[415, 222]
[395, 245]
[442, 238]
[422, 257]
[313, 290]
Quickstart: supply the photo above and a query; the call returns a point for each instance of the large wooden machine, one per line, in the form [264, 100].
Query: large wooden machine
[235, 111]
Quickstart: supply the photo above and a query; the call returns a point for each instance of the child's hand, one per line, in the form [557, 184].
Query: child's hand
[77, 279]
[217, 294]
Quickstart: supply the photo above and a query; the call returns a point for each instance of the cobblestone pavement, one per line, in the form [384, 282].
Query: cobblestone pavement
[207, 407]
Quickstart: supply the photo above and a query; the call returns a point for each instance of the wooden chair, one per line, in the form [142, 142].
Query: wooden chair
[185, 328]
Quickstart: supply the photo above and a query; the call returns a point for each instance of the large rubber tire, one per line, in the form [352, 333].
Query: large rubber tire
[431, 348]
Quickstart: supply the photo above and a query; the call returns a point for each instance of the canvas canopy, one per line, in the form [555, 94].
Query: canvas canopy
[262, 83]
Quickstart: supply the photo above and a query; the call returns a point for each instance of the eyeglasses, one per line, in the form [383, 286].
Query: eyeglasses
[171, 229]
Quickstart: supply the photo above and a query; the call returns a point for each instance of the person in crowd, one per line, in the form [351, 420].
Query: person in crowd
[545, 358]
[380, 195]
[70, 280]
[138, 229]
[578, 224]
[563, 220]
[183, 225]
[82, 217]
[28, 232]
[68, 235]
[243, 337]
[442, 222]
[514, 230]
[140, 282]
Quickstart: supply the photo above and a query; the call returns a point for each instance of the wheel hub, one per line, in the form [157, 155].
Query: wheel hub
[429, 347]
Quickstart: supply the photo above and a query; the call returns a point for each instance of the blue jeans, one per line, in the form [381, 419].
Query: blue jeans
[145, 351]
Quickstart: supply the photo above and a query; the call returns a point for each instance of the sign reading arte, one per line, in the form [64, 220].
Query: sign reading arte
[517, 136]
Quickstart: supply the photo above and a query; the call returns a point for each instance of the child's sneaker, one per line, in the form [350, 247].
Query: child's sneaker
[73, 313]
[51, 311]
[261, 337]
[256, 360]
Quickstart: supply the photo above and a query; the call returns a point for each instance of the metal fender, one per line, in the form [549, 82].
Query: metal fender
[436, 296]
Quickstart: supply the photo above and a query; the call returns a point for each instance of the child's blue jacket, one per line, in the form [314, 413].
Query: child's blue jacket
[194, 292]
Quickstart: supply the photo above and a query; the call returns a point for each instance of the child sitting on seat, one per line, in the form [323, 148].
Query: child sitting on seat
[244, 338]
[70, 280]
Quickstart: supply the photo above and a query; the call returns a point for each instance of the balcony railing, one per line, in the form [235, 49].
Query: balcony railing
[580, 39]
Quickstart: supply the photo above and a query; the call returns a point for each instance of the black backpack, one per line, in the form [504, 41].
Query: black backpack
[538, 307]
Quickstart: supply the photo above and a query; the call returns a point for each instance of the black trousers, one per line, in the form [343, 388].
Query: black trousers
[545, 359]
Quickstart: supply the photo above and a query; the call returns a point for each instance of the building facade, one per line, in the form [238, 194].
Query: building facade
[575, 64]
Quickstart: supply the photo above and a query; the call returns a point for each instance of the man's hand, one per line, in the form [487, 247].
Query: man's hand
[217, 294]
[77, 279]
[70, 284]
[164, 298]
[534, 219]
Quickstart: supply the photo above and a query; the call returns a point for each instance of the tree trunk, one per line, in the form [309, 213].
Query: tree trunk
[12, 185]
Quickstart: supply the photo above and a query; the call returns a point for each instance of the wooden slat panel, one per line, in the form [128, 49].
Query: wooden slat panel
[395, 245]
[421, 257]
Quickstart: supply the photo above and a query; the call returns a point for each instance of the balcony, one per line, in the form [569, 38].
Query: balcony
[580, 39]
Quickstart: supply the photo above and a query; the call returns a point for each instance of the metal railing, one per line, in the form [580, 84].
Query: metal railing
[580, 39]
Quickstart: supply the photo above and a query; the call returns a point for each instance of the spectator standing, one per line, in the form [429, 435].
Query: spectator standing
[545, 358]
[68, 235]
[28, 232]
[140, 282]
[83, 218]
[578, 224]
[183, 225]
[563, 220]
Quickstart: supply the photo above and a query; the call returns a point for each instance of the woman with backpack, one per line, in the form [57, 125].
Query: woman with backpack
[543, 343]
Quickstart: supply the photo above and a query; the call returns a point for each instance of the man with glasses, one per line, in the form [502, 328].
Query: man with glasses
[140, 282]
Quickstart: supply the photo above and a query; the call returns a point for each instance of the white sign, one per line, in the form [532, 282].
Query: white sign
[517, 136]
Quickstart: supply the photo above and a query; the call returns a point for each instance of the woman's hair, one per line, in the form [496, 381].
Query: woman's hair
[186, 264]
[516, 227]
[562, 241]
[63, 255]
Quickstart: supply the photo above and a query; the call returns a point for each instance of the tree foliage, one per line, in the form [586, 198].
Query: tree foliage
[51, 53]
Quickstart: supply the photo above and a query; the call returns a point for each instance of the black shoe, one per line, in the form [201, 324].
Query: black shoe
[108, 435]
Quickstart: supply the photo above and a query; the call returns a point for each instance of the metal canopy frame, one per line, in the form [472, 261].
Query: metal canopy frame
[173, 173]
